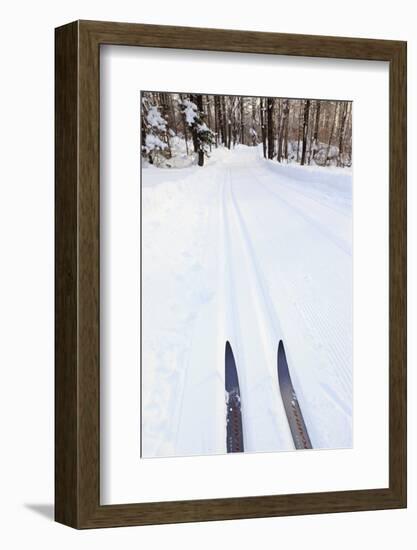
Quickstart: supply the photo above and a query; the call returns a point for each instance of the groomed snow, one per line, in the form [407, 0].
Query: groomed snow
[250, 251]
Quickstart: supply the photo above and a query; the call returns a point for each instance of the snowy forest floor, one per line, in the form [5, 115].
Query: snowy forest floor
[250, 251]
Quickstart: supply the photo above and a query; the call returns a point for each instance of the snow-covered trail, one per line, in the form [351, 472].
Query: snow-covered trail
[271, 246]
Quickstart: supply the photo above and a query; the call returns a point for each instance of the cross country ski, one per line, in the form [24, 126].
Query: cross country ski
[290, 401]
[234, 437]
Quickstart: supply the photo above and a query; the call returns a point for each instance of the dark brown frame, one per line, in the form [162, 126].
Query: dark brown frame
[77, 371]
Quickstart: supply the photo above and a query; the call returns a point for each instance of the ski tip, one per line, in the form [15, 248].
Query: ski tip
[228, 348]
[280, 346]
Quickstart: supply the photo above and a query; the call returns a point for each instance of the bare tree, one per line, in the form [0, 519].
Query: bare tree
[216, 118]
[300, 126]
[282, 140]
[316, 129]
[336, 109]
[305, 130]
[224, 120]
[254, 121]
[310, 131]
[242, 121]
[286, 123]
[270, 121]
[184, 127]
[263, 124]
[342, 133]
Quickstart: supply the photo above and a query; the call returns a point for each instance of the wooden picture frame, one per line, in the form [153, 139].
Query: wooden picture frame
[77, 370]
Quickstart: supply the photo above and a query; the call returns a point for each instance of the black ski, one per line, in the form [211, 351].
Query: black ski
[234, 437]
[291, 405]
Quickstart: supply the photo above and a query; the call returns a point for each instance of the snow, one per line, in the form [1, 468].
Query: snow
[180, 159]
[250, 251]
[153, 142]
[155, 119]
[190, 111]
[203, 128]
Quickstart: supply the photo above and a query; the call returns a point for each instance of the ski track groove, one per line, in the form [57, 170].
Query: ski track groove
[340, 243]
[300, 189]
[306, 220]
[327, 327]
[261, 305]
[275, 327]
[320, 227]
[232, 319]
[335, 353]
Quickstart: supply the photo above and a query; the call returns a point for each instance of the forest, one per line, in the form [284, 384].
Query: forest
[179, 129]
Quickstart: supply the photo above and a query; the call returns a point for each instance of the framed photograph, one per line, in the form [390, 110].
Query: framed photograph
[230, 274]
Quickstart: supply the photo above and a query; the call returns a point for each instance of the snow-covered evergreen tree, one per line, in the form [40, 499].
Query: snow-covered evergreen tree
[194, 116]
[154, 131]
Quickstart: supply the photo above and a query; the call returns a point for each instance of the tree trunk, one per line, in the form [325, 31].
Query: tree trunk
[310, 134]
[165, 111]
[216, 119]
[316, 130]
[208, 109]
[331, 132]
[143, 128]
[185, 129]
[305, 130]
[282, 131]
[300, 125]
[200, 150]
[254, 122]
[270, 113]
[341, 134]
[280, 135]
[263, 128]
[279, 121]
[173, 115]
[287, 120]
[348, 134]
[242, 122]
[224, 121]
[193, 98]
